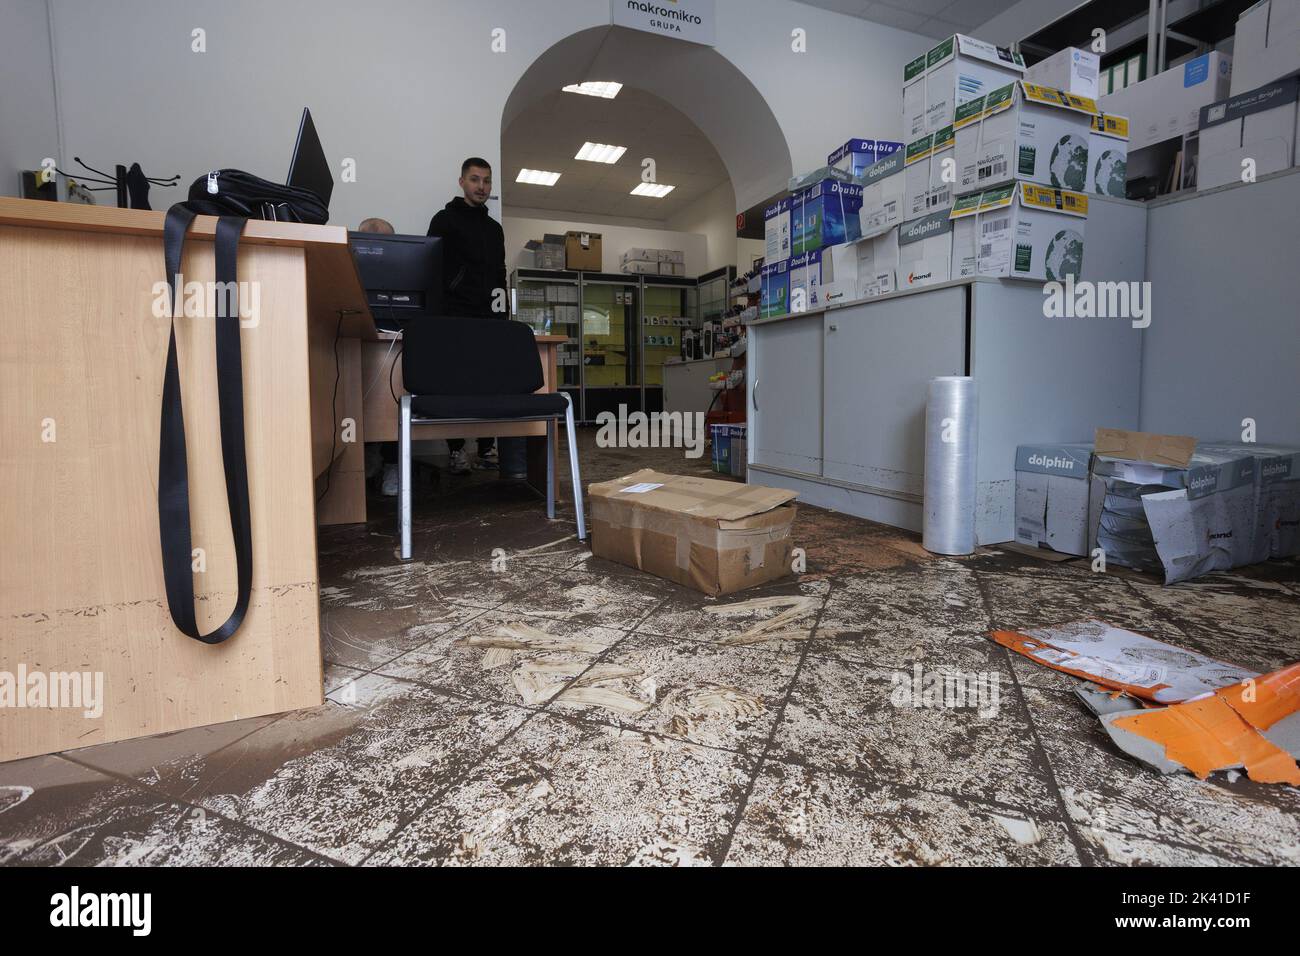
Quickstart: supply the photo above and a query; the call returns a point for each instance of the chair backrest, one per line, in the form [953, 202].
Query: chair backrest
[445, 356]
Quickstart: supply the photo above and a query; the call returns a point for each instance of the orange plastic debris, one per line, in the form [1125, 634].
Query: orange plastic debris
[1223, 730]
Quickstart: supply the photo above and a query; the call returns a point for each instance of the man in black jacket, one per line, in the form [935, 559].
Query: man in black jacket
[473, 273]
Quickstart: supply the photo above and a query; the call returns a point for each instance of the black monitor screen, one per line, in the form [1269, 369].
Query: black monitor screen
[309, 169]
[402, 276]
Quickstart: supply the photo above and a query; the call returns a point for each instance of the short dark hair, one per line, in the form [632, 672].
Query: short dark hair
[478, 161]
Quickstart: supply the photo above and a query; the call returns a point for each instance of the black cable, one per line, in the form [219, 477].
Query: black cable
[334, 426]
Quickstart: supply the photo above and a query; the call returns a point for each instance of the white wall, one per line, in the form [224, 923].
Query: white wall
[407, 88]
[713, 215]
[615, 240]
[1224, 340]
[28, 126]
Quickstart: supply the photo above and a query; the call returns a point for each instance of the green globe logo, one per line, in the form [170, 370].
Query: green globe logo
[1110, 175]
[1064, 255]
[1069, 163]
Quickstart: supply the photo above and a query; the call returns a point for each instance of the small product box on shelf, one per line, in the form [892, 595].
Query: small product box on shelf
[1071, 70]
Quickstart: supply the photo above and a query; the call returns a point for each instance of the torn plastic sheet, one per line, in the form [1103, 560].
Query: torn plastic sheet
[1122, 660]
[1214, 721]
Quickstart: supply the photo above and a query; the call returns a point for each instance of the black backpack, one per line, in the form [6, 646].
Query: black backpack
[233, 192]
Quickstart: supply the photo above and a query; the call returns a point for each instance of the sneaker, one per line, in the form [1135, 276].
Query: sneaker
[392, 482]
[488, 462]
[459, 462]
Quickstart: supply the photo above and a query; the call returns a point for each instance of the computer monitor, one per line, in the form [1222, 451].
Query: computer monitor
[309, 169]
[402, 276]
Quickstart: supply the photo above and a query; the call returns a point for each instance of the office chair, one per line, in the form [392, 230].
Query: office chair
[470, 371]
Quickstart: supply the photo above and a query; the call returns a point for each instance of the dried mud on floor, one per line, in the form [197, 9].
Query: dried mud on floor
[506, 698]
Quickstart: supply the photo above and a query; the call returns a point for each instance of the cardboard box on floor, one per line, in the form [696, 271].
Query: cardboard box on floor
[714, 536]
[1052, 496]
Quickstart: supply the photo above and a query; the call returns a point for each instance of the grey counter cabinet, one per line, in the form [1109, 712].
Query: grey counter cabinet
[837, 396]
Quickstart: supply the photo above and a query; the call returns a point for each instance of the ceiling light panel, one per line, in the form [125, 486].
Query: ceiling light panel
[654, 190]
[537, 177]
[600, 153]
[602, 88]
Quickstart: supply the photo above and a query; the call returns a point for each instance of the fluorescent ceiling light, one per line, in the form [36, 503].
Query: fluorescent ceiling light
[600, 153]
[657, 190]
[537, 177]
[605, 90]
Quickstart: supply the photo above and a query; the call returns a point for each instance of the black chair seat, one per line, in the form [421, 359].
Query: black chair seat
[488, 406]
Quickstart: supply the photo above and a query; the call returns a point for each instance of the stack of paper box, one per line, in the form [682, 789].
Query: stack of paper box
[1171, 508]
[1277, 496]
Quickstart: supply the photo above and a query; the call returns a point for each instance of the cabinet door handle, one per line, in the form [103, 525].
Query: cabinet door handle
[753, 394]
[832, 327]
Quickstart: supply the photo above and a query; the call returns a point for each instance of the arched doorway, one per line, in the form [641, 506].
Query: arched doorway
[697, 80]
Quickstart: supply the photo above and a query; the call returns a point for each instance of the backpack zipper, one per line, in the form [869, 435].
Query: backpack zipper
[212, 181]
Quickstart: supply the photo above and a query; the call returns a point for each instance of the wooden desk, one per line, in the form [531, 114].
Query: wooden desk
[81, 368]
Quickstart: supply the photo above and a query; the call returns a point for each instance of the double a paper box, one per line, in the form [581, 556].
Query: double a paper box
[924, 251]
[962, 68]
[1052, 496]
[884, 189]
[1169, 104]
[804, 180]
[857, 154]
[1266, 46]
[776, 232]
[1277, 496]
[1253, 132]
[1185, 514]
[1026, 132]
[1026, 231]
[1108, 156]
[929, 174]
[1071, 71]
[825, 214]
[774, 297]
[714, 536]
[806, 280]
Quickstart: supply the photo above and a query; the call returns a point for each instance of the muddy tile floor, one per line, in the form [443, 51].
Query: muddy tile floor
[506, 698]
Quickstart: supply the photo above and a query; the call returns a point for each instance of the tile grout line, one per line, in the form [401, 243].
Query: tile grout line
[1054, 784]
[468, 770]
[761, 760]
[158, 793]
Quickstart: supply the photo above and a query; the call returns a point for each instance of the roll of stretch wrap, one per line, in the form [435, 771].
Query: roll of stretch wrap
[951, 424]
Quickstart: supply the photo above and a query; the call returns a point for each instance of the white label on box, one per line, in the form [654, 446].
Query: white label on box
[641, 488]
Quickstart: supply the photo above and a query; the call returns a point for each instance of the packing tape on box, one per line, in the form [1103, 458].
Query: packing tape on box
[686, 532]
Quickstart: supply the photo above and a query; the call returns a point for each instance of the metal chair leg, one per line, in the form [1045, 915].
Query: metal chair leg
[573, 467]
[550, 468]
[404, 468]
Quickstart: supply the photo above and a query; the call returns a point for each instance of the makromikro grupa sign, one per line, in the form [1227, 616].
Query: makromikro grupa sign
[692, 20]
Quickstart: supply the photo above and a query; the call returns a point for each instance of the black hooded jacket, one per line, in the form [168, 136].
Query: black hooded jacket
[473, 258]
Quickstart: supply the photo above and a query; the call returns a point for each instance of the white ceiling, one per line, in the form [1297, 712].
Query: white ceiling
[549, 133]
[931, 18]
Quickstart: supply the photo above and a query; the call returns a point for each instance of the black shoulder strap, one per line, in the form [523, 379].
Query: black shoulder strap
[173, 470]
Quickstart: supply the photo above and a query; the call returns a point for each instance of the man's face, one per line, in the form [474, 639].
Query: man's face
[477, 185]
